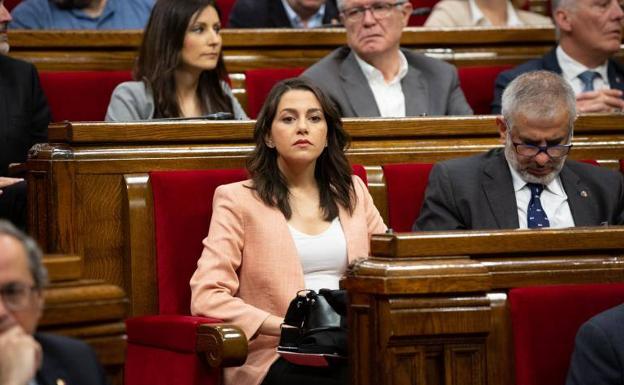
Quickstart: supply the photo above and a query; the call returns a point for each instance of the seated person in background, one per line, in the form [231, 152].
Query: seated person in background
[296, 224]
[283, 14]
[482, 13]
[529, 183]
[180, 70]
[81, 14]
[40, 358]
[598, 357]
[590, 33]
[372, 76]
[24, 118]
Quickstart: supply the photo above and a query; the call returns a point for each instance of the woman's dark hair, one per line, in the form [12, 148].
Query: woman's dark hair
[71, 4]
[332, 171]
[160, 55]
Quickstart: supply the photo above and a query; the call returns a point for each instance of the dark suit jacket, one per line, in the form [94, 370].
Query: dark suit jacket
[431, 86]
[548, 62]
[269, 14]
[477, 193]
[598, 357]
[68, 359]
[24, 113]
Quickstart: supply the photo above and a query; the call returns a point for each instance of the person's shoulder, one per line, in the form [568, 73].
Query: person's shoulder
[10, 64]
[57, 344]
[532, 18]
[426, 63]
[588, 170]
[328, 68]
[240, 188]
[131, 88]
[32, 14]
[610, 321]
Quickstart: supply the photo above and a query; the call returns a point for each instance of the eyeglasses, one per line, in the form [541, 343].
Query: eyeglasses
[16, 295]
[379, 11]
[555, 152]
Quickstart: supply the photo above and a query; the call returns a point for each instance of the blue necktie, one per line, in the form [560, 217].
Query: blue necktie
[587, 78]
[536, 217]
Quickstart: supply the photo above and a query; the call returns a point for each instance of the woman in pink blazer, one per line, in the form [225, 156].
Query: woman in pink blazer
[301, 187]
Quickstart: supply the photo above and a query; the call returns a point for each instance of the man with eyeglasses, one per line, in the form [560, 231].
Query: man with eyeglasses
[372, 76]
[529, 183]
[26, 357]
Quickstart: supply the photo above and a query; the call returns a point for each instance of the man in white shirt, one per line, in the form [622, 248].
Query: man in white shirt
[530, 183]
[283, 14]
[482, 13]
[590, 33]
[373, 76]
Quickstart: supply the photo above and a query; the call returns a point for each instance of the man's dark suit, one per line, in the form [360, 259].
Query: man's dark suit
[598, 357]
[69, 360]
[269, 14]
[24, 118]
[477, 193]
[548, 62]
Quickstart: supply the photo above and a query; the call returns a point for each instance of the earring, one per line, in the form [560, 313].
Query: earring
[270, 144]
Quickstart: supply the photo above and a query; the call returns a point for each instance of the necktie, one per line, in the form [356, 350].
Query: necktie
[587, 78]
[536, 217]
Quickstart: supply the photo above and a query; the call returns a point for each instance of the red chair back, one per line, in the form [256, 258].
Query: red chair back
[421, 10]
[182, 212]
[405, 185]
[478, 86]
[591, 161]
[10, 4]
[622, 165]
[258, 83]
[80, 95]
[225, 7]
[545, 320]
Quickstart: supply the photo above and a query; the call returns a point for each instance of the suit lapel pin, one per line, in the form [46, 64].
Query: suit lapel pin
[584, 194]
[60, 381]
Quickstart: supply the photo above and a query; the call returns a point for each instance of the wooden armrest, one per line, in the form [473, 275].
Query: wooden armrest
[221, 345]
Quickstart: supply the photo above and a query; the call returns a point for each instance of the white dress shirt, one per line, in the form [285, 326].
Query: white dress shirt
[554, 201]
[570, 69]
[388, 95]
[295, 20]
[479, 19]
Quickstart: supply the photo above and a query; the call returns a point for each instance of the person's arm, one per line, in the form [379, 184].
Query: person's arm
[30, 15]
[374, 221]
[215, 283]
[604, 100]
[237, 110]
[20, 357]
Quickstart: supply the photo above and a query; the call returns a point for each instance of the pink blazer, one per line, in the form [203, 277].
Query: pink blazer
[250, 268]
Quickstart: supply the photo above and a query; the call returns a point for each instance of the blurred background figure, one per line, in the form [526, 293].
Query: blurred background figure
[283, 14]
[296, 224]
[81, 14]
[180, 70]
[483, 13]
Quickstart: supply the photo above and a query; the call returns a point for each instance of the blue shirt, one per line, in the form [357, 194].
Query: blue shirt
[117, 14]
[315, 20]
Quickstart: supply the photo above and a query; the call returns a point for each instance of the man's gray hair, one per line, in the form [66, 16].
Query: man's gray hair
[35, 256]
[538, 93]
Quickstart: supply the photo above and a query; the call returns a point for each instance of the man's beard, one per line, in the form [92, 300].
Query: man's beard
[512, 157]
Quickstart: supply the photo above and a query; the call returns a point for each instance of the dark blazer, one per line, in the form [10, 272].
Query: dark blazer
[69, 360]
[269, 14]
[431, 86]
[548, 62]
[598, 357]
[477, 193]
[24, 113]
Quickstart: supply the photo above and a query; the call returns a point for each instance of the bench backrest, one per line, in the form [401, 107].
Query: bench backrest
[405, 185]
[258, 83]
[478, 86]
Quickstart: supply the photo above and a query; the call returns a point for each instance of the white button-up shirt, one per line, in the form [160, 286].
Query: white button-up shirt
[571, 69]
[479, 19]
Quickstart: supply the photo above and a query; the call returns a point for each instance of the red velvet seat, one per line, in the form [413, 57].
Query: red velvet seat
[258, 83]
[10, 4]
[406, 185]
[622, 165]
[225, 7]
[545, 320]
[422, 9]
[80, 95]
[478, 86]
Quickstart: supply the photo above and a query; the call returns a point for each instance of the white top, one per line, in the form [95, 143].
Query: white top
[388, 95]
[554, 201]
[571, 69]
[323, 256]
[295, 20]
[478, 18]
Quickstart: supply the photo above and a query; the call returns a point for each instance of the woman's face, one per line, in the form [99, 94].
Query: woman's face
[202, 41]
[299, 129]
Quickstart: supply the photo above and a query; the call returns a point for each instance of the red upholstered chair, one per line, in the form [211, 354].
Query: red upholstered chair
[622, 165]
[478, 86]
[258, 83]
[80, 95]
[225, 6]
[405, 185]
[10, 4]
[422, 9]
[545, 320]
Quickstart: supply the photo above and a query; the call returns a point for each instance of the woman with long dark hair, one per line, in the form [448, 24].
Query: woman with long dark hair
[296, 224]
[180, 70]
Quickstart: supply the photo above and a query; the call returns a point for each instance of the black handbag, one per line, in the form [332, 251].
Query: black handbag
[316, 323]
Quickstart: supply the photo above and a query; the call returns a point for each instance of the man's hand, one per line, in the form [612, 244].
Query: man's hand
[20, 357]
[604, 100]
[6, 182]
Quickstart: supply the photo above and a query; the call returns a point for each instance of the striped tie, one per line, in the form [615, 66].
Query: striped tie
[587, 78]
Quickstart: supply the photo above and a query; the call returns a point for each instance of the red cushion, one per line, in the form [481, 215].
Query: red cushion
[422, 9]
[258, 83]
[545, 320]
[478, 86]
[225, 7]
[182, 211]
[591, 161]
[171, 332]
[10, 4]
[80, 95]
[405, 185]
[622, 165]
[360, 171]
[151, 366]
